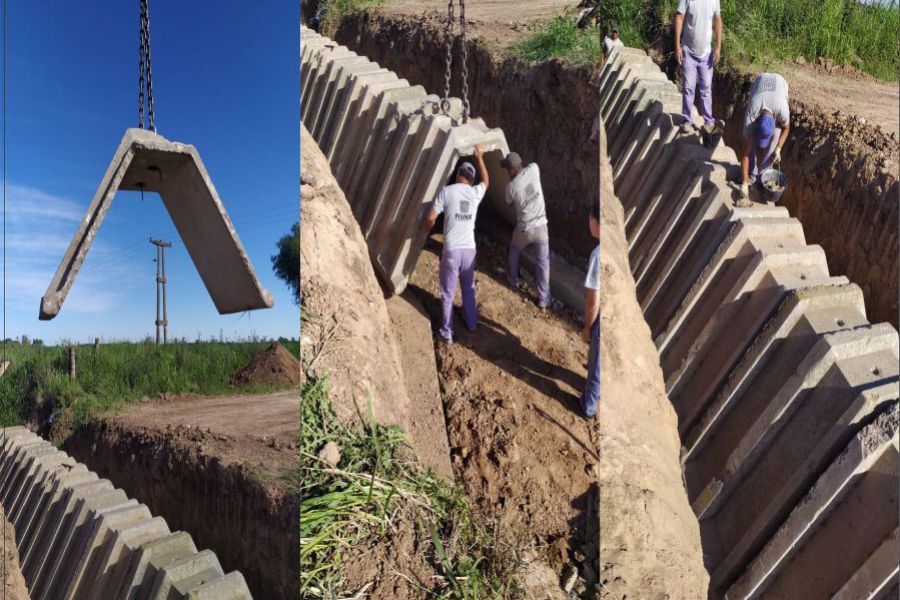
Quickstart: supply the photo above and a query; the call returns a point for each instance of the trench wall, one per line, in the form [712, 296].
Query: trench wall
[545, 111]
[786, 394]
[223, 506]
[80, 537]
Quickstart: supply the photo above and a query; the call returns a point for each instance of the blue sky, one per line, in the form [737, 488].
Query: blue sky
[225, 79]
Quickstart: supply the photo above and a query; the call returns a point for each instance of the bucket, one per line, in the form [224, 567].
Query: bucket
[773, 183]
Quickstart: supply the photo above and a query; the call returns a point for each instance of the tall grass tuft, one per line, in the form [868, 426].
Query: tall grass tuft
[558, 37]
[847, 32]
[372, 491]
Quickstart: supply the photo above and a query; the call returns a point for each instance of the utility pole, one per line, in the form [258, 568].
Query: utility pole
[161, 287]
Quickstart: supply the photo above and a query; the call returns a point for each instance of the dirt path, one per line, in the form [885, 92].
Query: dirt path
[510, 390]
[878, 102]
[492, 21]
[258, 431]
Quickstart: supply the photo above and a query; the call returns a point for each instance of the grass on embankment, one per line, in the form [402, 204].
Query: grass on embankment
[373, 491]
[756, 32]
[338, 9]
[558, 37]
[37, 381]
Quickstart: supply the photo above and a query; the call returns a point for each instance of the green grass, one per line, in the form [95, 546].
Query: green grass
[338, 9]
[758, 32]
[558, 37]
[116, 374]
[372, 489]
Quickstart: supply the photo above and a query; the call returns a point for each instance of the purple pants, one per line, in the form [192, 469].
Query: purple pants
[768, 157]
[521, 241]
[591, 394]
[457, 264]
[694, 68]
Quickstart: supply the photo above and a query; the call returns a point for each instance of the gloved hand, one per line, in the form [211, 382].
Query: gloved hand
[745, 191]
[777, 156]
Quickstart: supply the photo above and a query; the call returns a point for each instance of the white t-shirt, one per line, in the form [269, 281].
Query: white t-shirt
[592, 281]
[697, 30]
[610, 43]
[769, 91]
[526, 193]
[459, 203]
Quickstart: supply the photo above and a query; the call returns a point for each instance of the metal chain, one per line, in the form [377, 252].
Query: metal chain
[146, 70]
[448, 35]
[465, 61]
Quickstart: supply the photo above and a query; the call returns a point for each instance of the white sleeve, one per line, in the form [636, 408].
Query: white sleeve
[480, 191]
[438, 205]
[682, 7]
[509, 198]
[717, 9]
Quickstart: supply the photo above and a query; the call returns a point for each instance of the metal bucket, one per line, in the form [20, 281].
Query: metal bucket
[773, 183]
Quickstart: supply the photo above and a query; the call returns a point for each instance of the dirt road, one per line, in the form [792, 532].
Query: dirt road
[520, 449]
[491, 21]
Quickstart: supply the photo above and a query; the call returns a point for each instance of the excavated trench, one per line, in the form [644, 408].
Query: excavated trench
[786, 395]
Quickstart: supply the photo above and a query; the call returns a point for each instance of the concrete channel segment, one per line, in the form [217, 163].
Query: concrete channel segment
[146, 161]
[786, 395]
[391, 148]
[79, 537]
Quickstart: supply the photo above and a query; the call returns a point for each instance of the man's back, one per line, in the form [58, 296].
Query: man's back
[526, 193]
[770, 92]
[459, 204]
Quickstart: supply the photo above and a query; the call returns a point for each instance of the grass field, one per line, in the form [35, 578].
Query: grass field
[116, 374]
[558, 37]
[757, 32]
[371, 492]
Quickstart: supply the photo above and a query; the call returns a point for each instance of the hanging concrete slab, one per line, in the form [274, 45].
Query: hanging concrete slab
[148, 161]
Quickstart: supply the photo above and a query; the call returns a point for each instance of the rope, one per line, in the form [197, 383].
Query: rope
[146, 72]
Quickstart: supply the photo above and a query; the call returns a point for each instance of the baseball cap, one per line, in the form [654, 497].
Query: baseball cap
[615, 27]
[466, 170]
[765, 127]
[512, 161]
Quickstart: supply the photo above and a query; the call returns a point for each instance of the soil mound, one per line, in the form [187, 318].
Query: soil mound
[275, 366]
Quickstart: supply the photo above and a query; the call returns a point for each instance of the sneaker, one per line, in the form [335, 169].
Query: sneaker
[445, 340]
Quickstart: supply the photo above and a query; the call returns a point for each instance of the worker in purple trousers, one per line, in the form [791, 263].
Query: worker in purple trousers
[459, 204]
[767, 123]
[694, 23]
[524, 190]
[590, 333]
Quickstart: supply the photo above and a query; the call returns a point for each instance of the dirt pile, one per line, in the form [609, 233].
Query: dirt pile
[274, 366]
[346, 329]
[649, 535]
[14, 587]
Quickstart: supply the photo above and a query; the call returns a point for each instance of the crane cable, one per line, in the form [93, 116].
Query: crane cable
[448, 34]
[146, 73]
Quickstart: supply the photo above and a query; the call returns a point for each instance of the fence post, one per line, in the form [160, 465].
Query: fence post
[72, 371]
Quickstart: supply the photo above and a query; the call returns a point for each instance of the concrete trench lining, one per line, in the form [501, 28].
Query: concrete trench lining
[786, 394]
[391, 149]
[147, 161]
[79, 537]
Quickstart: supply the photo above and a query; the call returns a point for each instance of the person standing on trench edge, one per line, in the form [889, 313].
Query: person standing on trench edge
[767, 123]
[459, 203]
[524, 190]
[694, 22]
[590, 332]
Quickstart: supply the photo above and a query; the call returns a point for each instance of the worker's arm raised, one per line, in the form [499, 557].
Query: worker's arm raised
[482, 170]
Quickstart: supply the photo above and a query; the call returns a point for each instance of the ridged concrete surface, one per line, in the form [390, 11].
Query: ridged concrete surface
[390, 147]
[79, 537]
[786, 395]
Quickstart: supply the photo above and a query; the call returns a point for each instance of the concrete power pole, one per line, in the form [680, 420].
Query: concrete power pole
[161, 287]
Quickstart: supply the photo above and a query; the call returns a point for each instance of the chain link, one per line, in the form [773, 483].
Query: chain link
[146, 70]
[465, 60]
[448, 35]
